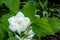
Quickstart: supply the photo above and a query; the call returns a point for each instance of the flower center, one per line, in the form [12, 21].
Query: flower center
[20, 23]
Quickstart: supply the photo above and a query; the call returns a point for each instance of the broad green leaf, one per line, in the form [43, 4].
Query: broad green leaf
[3, 34]
[12, 38]
[4, 20]
[41, 27]
[55, 24]
[29, 10]
[13, 5]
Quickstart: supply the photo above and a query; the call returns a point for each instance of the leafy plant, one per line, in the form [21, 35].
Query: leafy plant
[45, 25]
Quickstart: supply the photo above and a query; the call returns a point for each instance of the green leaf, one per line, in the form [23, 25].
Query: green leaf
[3, 34]
[41, 27]
[43, 4]
[12, 38]
[13, 5]
[29, 10]
[1, 2]
[55, 24]
[4, 19]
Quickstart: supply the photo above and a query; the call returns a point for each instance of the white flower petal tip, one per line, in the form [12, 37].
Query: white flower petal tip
[30, 33]
[16, 36]
[20, 14]
[18, 23]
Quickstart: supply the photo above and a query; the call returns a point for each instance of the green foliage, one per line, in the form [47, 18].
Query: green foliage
[41, 27]
[29, 10]
[12, 38]
[5, 24]
[13, 5]
[46, 26]
[1, 2]
[55, 24]
[43, 4]
[3, 34]
[4, 20]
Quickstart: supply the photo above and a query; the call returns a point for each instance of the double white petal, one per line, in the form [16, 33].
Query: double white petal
[18, 23]
[21, 38]
[31, 34]
[30, 37]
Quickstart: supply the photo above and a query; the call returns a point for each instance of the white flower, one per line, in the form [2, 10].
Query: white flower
[16, 36]
[37, 16]
[18, 23]
[31, 34]
[30, 37]
[22, 38]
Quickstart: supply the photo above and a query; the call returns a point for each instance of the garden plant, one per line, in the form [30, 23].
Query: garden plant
[28, 20]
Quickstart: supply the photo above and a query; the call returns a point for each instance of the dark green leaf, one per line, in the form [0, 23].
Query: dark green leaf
[13, 5]
[12, 38]
[41, 27]
[4, 19]
[3, 34]
[45, 4]
[29, 10]
[55, 24]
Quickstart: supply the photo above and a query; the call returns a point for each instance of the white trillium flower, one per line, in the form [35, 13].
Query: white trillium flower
[30, 37]
[31, 34]
[16, 36]
[22, 38]
[18, 23]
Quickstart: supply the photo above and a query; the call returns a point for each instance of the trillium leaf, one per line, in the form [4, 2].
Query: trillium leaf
[41, 27]
[29, 10]
[4, 20]
[3, 34]
[12, 38]
[13, 5]
[55, 24]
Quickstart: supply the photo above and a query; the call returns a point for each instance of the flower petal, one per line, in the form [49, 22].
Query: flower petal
[20, 14]
[12, 28]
